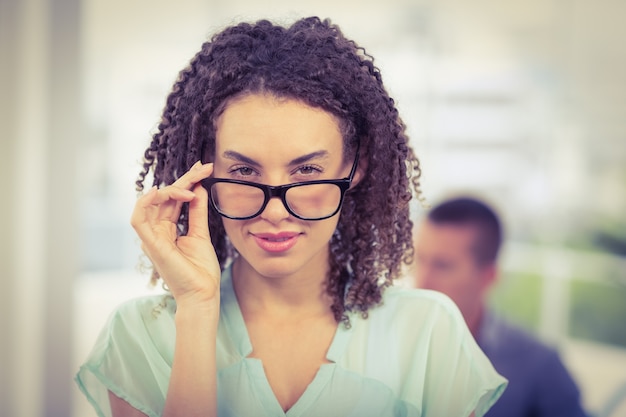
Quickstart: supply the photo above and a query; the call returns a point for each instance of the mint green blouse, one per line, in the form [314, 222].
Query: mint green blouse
[413, 356]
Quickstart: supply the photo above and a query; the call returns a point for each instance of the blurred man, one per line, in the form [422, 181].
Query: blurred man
[456, 250]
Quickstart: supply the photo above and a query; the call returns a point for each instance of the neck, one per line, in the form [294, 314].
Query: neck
[292, 296]
[474, 321]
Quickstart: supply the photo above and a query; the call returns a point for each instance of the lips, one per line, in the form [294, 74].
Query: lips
[276, 242]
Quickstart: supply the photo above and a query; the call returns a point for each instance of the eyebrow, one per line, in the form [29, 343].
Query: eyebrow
[234, 155]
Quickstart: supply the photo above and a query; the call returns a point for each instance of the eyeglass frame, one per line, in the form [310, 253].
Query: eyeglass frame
[271, 191]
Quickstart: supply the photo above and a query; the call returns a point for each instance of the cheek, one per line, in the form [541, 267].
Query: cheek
[429, 281]
[232, 229]
[331, 225]
[452, 283]
[228, 225]
[319, 234]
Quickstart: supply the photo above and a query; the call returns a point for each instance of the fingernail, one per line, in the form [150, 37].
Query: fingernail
[152, 190]
[197, 165]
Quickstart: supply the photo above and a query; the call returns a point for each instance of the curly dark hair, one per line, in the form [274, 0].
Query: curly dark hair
[310, 61]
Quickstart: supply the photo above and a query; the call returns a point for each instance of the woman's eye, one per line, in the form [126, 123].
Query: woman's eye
[308, 170]
[242, 171]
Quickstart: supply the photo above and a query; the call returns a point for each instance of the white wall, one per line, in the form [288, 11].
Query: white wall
[41, 121]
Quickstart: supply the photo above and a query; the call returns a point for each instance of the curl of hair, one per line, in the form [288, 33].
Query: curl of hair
[310, 61]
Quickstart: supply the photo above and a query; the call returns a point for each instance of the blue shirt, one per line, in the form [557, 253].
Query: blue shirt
[413, 356]
[539, 384]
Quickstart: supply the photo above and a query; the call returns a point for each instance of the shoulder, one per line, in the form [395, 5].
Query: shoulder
[508, 345]
[418, 338]
[149, 307]
[396, 292]
[534, 367]
[132, 356]
[417, 304]
[503, 334]
[143, 320]
[415, 317]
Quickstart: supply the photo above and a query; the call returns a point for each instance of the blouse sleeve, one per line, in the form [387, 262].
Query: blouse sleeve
[449, 374]
[132, 357]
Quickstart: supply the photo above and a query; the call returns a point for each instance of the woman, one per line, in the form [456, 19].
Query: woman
[285, 139]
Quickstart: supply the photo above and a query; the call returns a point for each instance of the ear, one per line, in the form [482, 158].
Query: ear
[489, 276]
[361, 169]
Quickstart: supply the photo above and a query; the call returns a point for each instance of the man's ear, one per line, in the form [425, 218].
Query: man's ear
[489, 276]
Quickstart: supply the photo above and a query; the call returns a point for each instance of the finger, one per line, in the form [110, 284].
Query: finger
[158, 210]
[139, 217]
[195, 174]
[179, 191]
[199, 214]
[189, 180]
[167, 203]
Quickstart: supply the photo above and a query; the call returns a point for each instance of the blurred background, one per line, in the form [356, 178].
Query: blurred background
[523, 103]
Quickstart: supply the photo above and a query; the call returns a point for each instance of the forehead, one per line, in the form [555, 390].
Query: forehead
[445, 238]
[262, 122]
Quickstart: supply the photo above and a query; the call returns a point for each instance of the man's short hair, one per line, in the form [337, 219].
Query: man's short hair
[469, 211]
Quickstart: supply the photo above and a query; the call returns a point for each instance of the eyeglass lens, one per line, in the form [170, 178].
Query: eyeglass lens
[309, 201]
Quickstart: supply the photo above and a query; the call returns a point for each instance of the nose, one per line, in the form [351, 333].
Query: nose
[275, 210]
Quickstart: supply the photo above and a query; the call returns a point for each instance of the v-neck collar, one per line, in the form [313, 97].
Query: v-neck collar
[232, 318]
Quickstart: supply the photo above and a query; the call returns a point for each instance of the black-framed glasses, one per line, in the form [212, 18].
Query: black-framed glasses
[306, 200]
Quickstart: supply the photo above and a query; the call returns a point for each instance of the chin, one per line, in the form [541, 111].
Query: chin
[278, 269]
